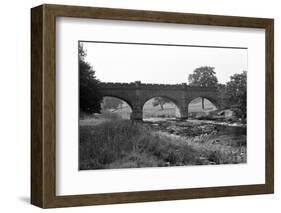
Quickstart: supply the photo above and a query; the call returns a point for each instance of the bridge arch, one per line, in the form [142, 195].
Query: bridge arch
[148, 110]
[210, 103]
[126, 100]
[172, 99]
[116, 107]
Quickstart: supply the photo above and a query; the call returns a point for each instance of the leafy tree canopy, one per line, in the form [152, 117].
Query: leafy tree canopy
[89, 94]
[203, 77]
[236, 93]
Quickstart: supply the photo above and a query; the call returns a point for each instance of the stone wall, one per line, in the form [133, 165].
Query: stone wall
[136, 94]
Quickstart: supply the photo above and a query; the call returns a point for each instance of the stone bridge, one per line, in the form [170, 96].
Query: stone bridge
[136, 94]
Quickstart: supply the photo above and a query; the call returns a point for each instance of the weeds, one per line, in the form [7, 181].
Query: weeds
[127, 144]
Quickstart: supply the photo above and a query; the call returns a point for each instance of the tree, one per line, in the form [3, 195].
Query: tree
[160, 101]
[236, 94]
[89, 94]
[203, 77]
[111, 103]
[221, 89]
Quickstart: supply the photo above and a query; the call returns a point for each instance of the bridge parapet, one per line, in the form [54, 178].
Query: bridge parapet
[109, 85]
[139, 85]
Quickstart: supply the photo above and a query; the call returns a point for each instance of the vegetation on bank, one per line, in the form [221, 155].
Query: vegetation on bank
[127, 144]
[89, 93]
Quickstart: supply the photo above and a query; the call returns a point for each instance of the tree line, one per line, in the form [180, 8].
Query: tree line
[233, 94]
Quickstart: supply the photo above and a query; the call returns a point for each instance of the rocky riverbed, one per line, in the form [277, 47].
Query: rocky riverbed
[192, 128]
[228, 139]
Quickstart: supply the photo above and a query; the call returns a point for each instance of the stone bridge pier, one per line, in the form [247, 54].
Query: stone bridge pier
[137, 112]
[136, 115]
[184, 110]
[137, 94]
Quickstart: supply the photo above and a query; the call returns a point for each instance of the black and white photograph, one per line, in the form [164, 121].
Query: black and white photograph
[161, 105]
[143, 105]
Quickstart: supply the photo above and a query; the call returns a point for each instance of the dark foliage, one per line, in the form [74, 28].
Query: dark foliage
[221, 88]
[236, 94]
[89, 94]
[203, 77]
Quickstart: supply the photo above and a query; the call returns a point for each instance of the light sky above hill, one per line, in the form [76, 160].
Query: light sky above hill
[115, 62]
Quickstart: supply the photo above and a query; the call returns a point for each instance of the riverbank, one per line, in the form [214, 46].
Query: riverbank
[127, 144]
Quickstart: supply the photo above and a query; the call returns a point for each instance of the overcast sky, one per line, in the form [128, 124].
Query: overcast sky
[161, 64]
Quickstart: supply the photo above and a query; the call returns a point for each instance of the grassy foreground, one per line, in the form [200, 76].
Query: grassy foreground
[127, 144]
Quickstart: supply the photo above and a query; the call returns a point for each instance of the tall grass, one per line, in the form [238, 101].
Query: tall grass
[127, 144]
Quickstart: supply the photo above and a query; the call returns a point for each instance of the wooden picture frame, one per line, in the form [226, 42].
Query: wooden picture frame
[43, 105]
